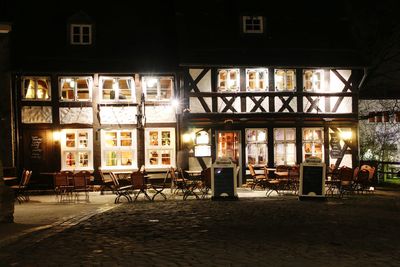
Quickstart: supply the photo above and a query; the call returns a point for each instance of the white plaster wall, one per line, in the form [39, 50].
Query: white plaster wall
[335, 84]
[196, 107]
[222, 105]
[346, 106]
[118, 115]
[31, 114]
[162, 113]
[250, 104]
[76, 115]
[292, 104]
[204, 84]
[321, 105]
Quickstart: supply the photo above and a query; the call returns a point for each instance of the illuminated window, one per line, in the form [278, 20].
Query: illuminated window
[159, 147]
[158, 88]
[253, 24]
[36, 88]
[81, 34]
[313, 144]
[76, 149]
[285, 146]
[76, 88]
[256, 146]
[285, 80]
[313, 80]
[228, 80]
[118, 149]
[202, 146]
[256, 79]
[117, 89]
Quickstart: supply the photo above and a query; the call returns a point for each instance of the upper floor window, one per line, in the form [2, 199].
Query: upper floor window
[76, 88]
[81, 34]
[256, 79]
[158, 88]
[36, 88]
[253, 24]
[117, 88]
[285, 79]
[228, 80]
[313, 80]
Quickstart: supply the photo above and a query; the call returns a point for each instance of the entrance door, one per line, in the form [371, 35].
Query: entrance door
[229, 146]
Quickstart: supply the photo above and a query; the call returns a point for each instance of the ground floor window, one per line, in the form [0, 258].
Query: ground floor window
[256, 147]
[285, 146]
[119, 149]
[159, 147]
[77, 149]
[313, 143]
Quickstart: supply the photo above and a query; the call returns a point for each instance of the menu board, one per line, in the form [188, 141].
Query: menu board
[334, 146]
[223, 181]
[36, 147]
[312, 180]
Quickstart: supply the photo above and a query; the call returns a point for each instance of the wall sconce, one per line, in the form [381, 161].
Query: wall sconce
[186, 138]
[346, 135]
[56, 136]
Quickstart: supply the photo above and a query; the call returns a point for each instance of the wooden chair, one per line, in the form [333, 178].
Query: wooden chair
[62, 187]
[80, 181]
[139, 185]
[21, 190]
[271, 184]
[106, 182]
[206, 182]
[346, 176]
[121, 191]
[258, 179]
[177, 182]
[159, 188]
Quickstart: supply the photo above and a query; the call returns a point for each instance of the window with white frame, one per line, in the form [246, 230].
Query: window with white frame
[77, 149]
[36, 88]
[158, 88]
[81, 34]
[253, 24]
[256, 146]
[76, 88]
[118, 149]
[256, 79]
[117, 89]
[285, 146]
[313, 143]
[285, 79]
[159, 147]
[228, 80]
[313, 80]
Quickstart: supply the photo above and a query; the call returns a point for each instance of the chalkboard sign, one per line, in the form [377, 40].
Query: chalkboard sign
[312, 180]
[36, 147]
[223, 181]
[334, 146]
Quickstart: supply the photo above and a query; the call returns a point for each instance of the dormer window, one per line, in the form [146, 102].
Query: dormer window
[81, 34]
[253, 24]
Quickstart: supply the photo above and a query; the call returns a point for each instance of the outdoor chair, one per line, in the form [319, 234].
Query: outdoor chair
[106, 182]
[139, 184]
[159, 188]
[62, 187]
[361, 183]
[21, 190]
[206, 182]
[177, 182]
[189, 185]
[270, 184]
[258, 179]
[81, 185]
[346, 176]
[121, 191]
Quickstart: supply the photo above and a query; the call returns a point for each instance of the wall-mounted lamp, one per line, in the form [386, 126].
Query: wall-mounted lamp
[56, 136]
[346, 135]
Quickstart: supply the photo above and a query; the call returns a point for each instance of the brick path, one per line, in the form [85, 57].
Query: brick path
[355, 231]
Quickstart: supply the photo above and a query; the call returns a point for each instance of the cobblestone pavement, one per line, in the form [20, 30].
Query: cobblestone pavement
[360, 230]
